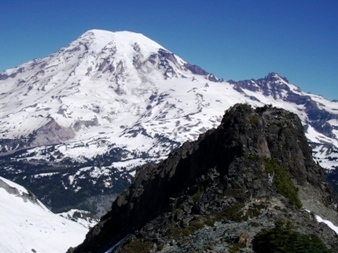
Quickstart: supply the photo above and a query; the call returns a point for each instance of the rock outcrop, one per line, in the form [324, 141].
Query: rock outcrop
[217, 193]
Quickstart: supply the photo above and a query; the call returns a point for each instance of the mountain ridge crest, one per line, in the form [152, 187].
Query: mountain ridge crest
[255, 157]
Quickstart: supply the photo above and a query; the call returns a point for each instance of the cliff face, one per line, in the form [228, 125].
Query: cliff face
[253, 170]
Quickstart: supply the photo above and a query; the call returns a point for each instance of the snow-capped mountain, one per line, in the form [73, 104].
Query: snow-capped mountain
[28, 226]
[90, 113]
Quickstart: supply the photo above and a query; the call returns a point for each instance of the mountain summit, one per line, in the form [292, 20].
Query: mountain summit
[102, 71]
[223, 191]
[86, 116]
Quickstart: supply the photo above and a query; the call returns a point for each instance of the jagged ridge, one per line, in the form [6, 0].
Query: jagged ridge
[225, 169]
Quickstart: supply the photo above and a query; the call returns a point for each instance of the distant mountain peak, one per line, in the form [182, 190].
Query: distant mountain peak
[273, 76]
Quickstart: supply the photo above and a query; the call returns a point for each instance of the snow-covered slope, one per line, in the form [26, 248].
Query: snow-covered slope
[28, 226]
[84, 117]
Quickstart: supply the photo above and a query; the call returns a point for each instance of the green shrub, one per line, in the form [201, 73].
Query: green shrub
[137, 246]
[283, 238]
[252, 212]
[283, 182]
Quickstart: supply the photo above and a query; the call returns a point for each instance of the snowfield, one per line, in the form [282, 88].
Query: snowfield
[28, 226]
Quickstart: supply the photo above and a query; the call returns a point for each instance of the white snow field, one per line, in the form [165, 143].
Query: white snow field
[26, 225]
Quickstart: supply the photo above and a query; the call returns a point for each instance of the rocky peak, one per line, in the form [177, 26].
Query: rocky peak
[272, 85]
[276, 77]
[248, 169]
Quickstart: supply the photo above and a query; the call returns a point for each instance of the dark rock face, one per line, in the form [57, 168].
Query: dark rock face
[220, 178]
[52, 133]
[3, 76]
[196, 69]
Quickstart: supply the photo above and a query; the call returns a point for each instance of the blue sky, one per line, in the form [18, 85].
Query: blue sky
[238, 39]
